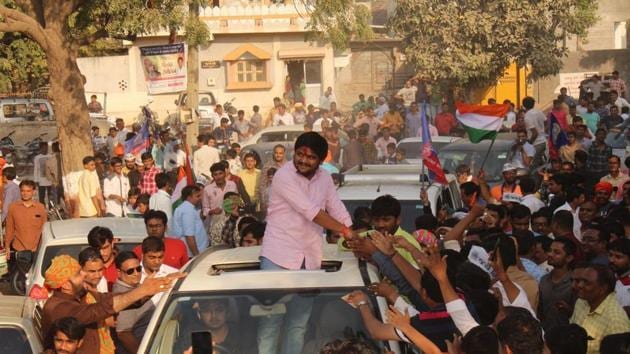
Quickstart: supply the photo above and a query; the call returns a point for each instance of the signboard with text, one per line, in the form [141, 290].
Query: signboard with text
[164, 67]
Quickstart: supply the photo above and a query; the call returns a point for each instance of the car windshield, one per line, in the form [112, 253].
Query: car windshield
[232, 321]
[413, 149]
[13, 340]
[452, 158]
[73, 250]
[411, 209]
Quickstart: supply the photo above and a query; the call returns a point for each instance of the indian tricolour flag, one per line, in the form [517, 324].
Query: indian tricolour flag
[481, 122]
[185, 177]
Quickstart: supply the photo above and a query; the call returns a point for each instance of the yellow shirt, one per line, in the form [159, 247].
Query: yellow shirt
[393, 121]
[251, 181]
[89, 186]
[608, 318]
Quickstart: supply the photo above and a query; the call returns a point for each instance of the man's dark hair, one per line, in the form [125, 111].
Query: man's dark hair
[203, 138]
[244, 221]
[544, 212]
[486, 305]
[560, 179]
[224, 120]
[89, 254]
[580, 155]
[605, 276]
[346, 346]
[470, 278]
[115, 160]
[155, 214]
[574, 193]
[385, 205]
[87, 160]
[189, 190]
[528, 102]
[567, 245]
[146, 156]
[615, 344]
[361, 218]
[279, 146]
[432, 287]
[315, 142]
[9, 173]
[230, 194]
[152, 244]
[99, 236]
[426, 222]
[28, 183]
[257, 229]
[217, 167]
[621, 245]
[123, 256]
[143, 198]
[527, 184]
[469, 188]
[525, 240]
[161, 180]
[508, 251]
[249, 155]
[567, 339]
[499, 209]
[563, 219]
[70, 326]
[544, 241]
[481, 340]
[602, 232]
[520, 211]
[231, 153]
[521, 332]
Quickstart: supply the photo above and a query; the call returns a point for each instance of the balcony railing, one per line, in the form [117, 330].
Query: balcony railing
[256, 18]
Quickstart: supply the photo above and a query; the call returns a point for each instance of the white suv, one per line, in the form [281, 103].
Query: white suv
[234, 277]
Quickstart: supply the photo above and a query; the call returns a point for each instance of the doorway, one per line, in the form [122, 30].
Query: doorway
[304, 81]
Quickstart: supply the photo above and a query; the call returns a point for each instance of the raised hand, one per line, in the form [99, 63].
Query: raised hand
[434, 262]
[397, 319]
[383, 243]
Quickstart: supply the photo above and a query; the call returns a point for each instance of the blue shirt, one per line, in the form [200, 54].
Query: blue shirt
[533, 269]
[187, 222]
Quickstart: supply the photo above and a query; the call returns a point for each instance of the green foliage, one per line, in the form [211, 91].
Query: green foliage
[339, 21]
[469, 43]
[23, 66]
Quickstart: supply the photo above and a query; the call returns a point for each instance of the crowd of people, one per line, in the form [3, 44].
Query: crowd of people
[539, 262]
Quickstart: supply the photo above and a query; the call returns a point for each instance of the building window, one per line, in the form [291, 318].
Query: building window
[621, 35]
[251, 71]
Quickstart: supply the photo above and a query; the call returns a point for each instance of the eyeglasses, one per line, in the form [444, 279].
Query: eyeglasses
[130, 271]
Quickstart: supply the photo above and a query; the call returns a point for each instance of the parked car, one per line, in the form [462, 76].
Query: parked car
[234, 277]
[70, 237]
[25, 110]
[205, 108]
[18, 333]
[280, 133]
[362, 184]
[413, 146]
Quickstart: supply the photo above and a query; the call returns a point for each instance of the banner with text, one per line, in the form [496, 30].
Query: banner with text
[164, 67]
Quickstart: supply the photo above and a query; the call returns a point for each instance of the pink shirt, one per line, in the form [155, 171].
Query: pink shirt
[212, 196]
[291, 236]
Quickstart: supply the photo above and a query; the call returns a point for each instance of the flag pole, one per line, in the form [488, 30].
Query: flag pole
[485, 158]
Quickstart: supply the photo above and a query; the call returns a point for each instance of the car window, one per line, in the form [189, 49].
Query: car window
[452, 158]
[446, 198]
[17, 110]
[272, 137]
[14, 340]
[411, 209]
[74, 250]
[411, 149]
[206, 99]
[244, 313]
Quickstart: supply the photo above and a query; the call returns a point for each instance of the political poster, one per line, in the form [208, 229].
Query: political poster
[164, 67]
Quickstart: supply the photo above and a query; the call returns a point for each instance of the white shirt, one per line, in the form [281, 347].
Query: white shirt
[39, 170]
[622, 292]
[534, 118]
[432, 131]
[162, 272]
[286, 119]
[579, 109]
[520, 300]
[533, 203]
[203, 158]
[121, 136]
[517, 159]
[510, 119]
[577, 224]
[621, 102]
[381, 145]
[116, 185]
[179, 159]
[161, 200]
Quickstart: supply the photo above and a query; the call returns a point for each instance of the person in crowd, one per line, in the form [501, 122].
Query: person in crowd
[152, 260]
[282, 117]
[521, 153]
[619, 260]
[53, 173]
[597, 310]
[67, 334]
[278, 159]
[541, 222]
[44, 185]
[509, 184]
[556, 294]
[251, 177]
[615, 176]
[603, 192]
[175, 252]
[413, 120]
[213, 193]
[445, 121]
[174, 158]
[223, 230]
[223, 133]
[529, 199]
[382, 142]
[567, 152]
[562, 227]
[187, 224]
[367, 118]
[94, 106]
[574, 198]
[204, 157]
[147, 182]
[115, 190]
[234, 161]
[252, 234]
[393, 122]
[595, 241]
[161, 200]
[102, 239]
[90, 195]
[135, 174]
[370, 151]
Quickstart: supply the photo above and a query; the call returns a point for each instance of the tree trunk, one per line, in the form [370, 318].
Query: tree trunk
[73, 123]
[192, 89]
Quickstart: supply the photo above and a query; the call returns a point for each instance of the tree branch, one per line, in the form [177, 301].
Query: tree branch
[101, 33]
[16, 21]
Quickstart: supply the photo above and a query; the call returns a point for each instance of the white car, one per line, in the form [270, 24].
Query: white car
[70, 237]
[413, 146]
[280, 134]
[362, 184]
[233, 276]
[17, 333]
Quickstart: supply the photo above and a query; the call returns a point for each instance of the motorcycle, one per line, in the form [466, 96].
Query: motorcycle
[7, 146]
[23, 262]
[25, 154]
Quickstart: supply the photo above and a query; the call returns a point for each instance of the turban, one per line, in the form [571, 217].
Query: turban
[61, 269]
[604, 186]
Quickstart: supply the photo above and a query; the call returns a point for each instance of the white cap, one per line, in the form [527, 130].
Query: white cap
[508, 167]
[129, 157]
[511, 197]
[139, 162]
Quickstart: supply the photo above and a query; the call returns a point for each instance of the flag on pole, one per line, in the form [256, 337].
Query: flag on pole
[481, 122]
[557, 136]
[185, 177]
[429, 156]
[139, 143]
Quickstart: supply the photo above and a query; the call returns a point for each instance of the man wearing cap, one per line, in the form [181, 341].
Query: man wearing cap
[303, 201]
[603, 191]
[509, 184]
[65, 278]
[130, 164]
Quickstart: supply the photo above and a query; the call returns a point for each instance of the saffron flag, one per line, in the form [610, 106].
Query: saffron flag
[481, 122]
[139, 143]
[185, 177]
[557, 136]
[429, 156]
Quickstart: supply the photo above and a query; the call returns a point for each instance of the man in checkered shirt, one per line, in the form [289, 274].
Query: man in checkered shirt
[147, 183]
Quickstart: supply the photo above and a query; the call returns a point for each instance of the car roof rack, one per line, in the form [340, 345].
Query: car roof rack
[218, 269]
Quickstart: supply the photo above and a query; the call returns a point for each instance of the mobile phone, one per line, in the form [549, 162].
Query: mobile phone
[201, 342]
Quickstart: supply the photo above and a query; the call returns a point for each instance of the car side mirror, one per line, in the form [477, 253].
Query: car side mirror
[201, 342]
